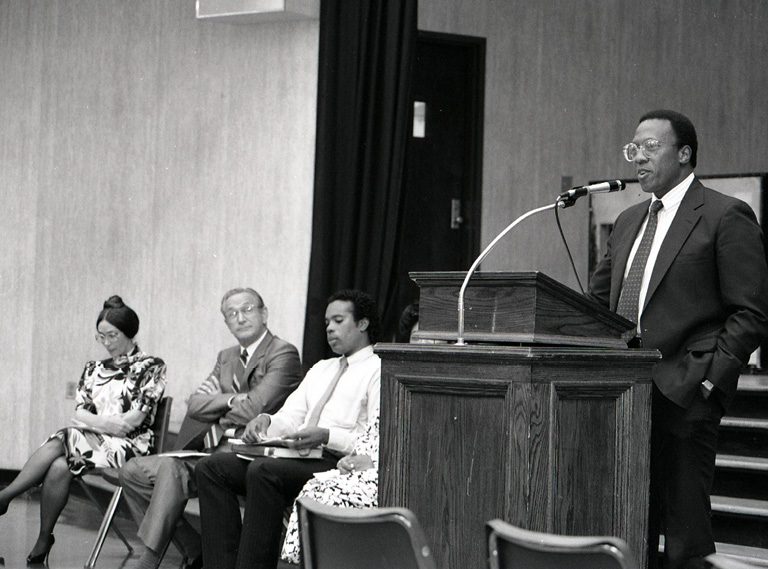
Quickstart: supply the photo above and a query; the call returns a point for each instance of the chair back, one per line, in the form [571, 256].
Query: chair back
[511, 547]
[160, 426]
[717, 561]
[370, 538]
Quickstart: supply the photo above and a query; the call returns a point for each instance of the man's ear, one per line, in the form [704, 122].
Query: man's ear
[684, 154]
[363, 324]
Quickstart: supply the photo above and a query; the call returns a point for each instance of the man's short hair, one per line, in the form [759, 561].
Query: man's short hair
[682, 126]
[363, 306]
[235, 291]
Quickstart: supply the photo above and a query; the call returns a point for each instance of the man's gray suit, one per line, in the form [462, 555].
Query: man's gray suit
[157, 488]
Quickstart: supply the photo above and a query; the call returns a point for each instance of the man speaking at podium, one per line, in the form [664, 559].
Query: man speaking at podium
[689, 267]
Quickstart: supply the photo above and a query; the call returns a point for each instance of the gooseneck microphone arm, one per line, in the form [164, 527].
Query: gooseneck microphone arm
[483, 255]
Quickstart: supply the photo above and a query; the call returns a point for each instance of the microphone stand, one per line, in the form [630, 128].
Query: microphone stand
[561, 203]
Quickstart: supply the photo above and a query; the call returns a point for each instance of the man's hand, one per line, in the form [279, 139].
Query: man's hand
[235, 399]
[210, 386]
[308, 438]
[256, 429]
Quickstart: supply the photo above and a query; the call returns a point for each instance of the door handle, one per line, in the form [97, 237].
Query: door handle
[456, 219]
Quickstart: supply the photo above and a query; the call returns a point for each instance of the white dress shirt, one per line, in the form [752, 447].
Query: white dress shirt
[671, 201]
[354, 402]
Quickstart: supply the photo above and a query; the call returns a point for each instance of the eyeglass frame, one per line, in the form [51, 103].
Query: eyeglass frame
[247, 311]
[643, 146]
[111, 336]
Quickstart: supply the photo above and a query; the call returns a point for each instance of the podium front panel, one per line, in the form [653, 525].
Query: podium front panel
[549, 439]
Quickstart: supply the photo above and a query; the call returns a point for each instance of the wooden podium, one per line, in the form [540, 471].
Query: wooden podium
[543, 422]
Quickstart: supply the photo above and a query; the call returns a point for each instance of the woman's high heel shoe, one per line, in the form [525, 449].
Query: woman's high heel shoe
[41, 557]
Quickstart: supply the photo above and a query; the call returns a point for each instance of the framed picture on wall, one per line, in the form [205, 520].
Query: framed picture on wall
[605, 208]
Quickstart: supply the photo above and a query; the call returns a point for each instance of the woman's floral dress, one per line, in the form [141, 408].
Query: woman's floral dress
[357, 489]
[109, 387]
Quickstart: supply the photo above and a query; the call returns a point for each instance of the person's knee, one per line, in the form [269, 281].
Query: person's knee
[204, 467]
[260, 472]
[59, 469]
[130, 473]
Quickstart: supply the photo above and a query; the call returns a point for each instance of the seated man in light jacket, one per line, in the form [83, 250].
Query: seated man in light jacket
[252, 378]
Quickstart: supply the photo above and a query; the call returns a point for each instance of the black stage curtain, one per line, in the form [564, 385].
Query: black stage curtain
[366, 49]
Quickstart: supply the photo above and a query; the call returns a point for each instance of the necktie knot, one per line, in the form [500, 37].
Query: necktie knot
[656, 206]
[244, 356]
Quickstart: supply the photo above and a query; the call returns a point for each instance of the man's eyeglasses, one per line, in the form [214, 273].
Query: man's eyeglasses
[248, 310]
[111, 337]
[649, 147]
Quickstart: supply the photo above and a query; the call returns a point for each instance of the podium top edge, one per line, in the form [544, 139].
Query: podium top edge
[524, 278]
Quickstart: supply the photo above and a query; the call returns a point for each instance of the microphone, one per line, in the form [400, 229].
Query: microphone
[568, 198]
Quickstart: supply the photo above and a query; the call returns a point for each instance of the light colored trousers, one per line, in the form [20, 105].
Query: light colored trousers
[156, 489]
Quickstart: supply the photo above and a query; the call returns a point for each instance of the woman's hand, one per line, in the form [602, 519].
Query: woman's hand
[116, 425]
[354, 462]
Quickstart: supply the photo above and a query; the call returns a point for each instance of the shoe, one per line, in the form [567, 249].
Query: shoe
[196, 563]
[41, 557]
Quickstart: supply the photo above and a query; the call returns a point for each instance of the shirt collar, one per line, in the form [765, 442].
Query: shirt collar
[674, 196]
[252, 347]
[360, 355]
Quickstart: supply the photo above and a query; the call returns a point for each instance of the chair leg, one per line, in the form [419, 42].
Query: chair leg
[106, 522]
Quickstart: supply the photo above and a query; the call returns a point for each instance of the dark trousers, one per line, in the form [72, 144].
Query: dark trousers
[683, 448]
[269, 486]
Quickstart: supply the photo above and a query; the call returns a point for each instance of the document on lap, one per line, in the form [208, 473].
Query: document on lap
[276, 448]
[184, 454]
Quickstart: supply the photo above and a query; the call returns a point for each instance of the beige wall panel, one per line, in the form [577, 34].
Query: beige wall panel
[566, 83]
[150, 155]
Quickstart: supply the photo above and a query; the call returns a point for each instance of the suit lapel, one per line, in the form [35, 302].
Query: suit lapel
[624, 247]
[685, 220]
[228, 370]
[253, 361]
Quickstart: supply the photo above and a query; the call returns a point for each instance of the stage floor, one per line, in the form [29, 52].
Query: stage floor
[75, 534]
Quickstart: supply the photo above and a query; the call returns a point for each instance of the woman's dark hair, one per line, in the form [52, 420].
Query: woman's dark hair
[363, 306]
[120, 316]
[408, 318]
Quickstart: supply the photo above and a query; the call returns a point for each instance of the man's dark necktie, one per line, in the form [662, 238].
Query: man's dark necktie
[240, 370]
[630, 290]
[214, 434]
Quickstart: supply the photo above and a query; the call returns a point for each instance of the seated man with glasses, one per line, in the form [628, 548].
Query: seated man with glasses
[251, 378]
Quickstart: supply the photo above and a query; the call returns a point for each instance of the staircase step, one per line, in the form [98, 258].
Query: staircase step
[745, 423]
[740, 506]
[752, 555]
[753, 382]
[737, 462]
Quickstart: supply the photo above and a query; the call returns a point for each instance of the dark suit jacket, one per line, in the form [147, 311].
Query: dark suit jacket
[706, 309]
[273, 372]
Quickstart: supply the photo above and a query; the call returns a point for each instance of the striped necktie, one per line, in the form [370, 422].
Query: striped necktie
[630, 290]
[240, 370]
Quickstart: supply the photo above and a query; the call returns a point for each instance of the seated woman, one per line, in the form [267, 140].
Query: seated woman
[354, 484]
[116, 403]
